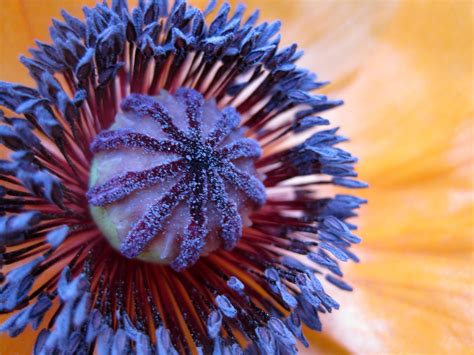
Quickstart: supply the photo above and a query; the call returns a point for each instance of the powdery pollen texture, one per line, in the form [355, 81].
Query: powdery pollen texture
[176, 177]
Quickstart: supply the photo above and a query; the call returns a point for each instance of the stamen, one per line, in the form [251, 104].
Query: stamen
[167, 113]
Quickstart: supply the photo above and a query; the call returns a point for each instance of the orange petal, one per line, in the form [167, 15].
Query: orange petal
[23, 21]
[412, 302]
[409, 113]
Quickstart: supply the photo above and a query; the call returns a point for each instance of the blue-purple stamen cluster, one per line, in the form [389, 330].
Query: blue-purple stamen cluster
[60, 275]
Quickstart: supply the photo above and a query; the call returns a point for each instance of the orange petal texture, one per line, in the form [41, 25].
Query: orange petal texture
[405, 71]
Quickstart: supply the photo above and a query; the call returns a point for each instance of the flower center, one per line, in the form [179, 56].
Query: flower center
[173, 178]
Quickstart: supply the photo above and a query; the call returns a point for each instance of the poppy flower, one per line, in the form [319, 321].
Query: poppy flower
[155, 198]
[406, 261]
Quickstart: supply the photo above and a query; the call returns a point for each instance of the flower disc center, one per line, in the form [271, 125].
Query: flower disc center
[173, 178]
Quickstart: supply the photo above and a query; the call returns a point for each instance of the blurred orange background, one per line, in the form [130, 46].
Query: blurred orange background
[405, 72]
